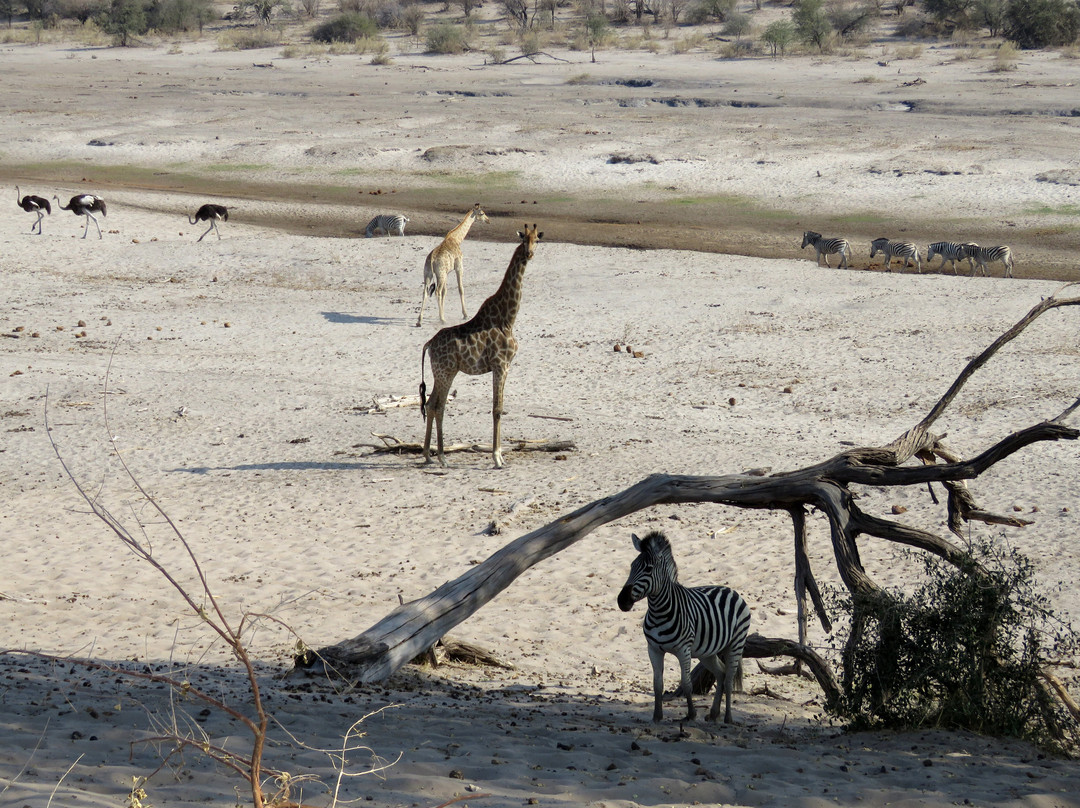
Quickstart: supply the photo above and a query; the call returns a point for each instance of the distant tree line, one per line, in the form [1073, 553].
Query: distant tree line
[815, 24]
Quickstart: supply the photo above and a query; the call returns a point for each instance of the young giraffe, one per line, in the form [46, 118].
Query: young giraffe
[444, 257]
[484, 344]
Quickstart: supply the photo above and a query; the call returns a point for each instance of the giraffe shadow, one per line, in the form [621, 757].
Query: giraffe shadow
[344, 318]
[292, 465]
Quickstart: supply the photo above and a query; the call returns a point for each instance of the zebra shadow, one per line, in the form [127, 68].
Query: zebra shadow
[343, 318]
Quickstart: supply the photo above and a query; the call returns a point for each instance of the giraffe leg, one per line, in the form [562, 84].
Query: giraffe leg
[436, 407]
[440, 293]
[459, 270]
[498, 382]
[423, 300]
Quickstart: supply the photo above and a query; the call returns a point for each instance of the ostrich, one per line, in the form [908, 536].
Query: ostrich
[210, 213]
[34, 204]
[85, 205]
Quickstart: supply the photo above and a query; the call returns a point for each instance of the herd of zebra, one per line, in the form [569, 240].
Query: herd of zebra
[977, 257]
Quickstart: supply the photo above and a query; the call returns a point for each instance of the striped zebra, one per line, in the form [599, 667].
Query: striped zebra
[393, 224]
[709, 623]
[988, 255]
[896, 249]
[827, 247]
[952, 252]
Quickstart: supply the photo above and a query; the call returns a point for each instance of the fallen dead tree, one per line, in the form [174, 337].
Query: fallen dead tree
[413, 627]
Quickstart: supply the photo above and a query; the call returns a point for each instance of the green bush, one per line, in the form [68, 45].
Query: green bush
[445, 38]
[1042, 23]
[124, 20]
[347, 27]
[173, 16]
[778, 36]
[812, 25]
[963, 651]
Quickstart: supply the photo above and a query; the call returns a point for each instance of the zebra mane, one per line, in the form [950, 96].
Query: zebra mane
[656, 547]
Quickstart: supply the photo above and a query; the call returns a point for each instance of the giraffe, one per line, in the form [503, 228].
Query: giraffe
[484, 344]
[440, 261]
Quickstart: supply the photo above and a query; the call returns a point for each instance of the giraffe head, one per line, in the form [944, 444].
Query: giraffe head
[529, 238]
[478, 213]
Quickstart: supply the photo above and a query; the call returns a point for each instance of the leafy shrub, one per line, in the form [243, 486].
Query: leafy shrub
[812, 25]
[446, 38]
[125, 20]
[347, 27]
[709, 10]
[778, 36]
[1042, 23]
[172, 16]
[963, 651]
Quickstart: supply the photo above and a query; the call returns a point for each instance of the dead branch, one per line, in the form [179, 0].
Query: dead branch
[531, 56]
[391, 445]
[393, 641]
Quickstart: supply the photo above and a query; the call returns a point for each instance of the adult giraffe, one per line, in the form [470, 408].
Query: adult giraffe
[442, 259]
[484, 344]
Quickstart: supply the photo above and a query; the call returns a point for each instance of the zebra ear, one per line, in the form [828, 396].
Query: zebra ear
[637, 542]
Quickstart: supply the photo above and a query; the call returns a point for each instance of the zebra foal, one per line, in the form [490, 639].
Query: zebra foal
[393, 224]
[709, 623]
[952, 252]
[827, 247]
[896, 249]
[988, 255]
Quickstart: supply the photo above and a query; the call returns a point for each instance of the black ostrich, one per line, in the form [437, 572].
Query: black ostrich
[34, 204]
[210, 213]
[85, 205]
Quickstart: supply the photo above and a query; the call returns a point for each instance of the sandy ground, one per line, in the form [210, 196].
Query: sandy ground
[244, 376]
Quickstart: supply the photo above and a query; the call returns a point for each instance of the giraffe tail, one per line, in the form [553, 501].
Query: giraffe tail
[423, 384]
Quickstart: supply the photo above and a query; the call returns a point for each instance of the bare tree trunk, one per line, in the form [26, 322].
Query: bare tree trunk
[416, 626]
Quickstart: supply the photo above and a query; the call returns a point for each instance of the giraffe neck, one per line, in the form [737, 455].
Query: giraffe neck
[457, 235]
[500, 310]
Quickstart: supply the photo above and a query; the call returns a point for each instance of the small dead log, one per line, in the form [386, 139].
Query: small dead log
[391, 445]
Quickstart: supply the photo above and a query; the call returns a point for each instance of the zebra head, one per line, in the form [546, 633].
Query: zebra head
[809, 237]
[878, 244]
[653, 568]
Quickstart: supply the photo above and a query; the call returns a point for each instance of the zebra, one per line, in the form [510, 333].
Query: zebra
[952, 252]
[827, 246]
[390, 223]
[988, 255]
[896, 249]
[709, 623]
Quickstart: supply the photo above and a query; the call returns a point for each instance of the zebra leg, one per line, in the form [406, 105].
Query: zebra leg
[723, 686]
[683, 655]
[844, 260]
[656, 657]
